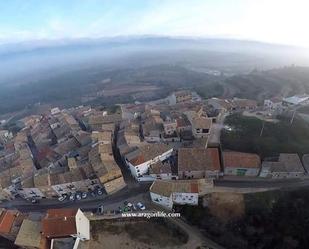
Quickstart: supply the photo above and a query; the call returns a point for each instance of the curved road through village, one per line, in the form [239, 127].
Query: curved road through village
[86, 204]
[138, 189]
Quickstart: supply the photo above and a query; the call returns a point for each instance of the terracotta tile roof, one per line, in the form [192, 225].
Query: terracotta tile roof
[59, 223]
[146, 152]
[65, 212]
[242, 103]
[183, 122]
[183, 93]
[137, 160]
[102, 160]
[100, 119]
[241, 160]
[160, 168]
[202, 123]
[194, 188]
[7, 219]
[166, 188]
[105, 148]
[198, 159]
[150, 151]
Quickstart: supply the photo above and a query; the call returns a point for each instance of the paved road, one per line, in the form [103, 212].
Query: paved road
[87, 204]
[262, 183]
[126, 193]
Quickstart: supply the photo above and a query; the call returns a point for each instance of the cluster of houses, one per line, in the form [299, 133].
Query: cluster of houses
[57, 229]
[176, 165]
[200, 165]
[60, 153]
[273, 106]
[278, 104]
[230, 105]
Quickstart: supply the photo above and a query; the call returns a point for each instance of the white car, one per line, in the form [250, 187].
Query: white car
[61, 198]
[129, 204]
[78, 196]
[72, 197]
[141, 206]
[134, 207]
[84, 195]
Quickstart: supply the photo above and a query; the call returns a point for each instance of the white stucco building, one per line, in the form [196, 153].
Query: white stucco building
[273, 104]
[168, 193]
[139, 160]
[65, 223]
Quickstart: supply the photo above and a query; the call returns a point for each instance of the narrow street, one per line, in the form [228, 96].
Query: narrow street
[215, 132]
[87, 204]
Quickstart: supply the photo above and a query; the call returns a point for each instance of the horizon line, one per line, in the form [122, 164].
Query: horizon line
[67, 40]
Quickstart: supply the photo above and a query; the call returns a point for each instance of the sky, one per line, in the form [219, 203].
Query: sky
[274, 21]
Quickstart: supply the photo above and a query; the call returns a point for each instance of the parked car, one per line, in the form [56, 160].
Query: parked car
[100, 191]
[129, 204]
[84, 195]
[72, 197]
[93, 193]
[62, 198]
[34, 201]
[141, 206]
[78, 196]
[134, 207]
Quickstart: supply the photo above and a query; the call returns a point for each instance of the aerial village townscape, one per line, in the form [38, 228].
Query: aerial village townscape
[67, 169]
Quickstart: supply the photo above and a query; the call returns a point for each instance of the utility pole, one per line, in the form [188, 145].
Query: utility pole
[292, 119]
[261, 133]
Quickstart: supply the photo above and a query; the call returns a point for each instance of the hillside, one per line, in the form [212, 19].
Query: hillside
[260, 85]
[102, 84]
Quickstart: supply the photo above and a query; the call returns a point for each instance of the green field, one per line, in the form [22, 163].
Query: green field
[281, 137]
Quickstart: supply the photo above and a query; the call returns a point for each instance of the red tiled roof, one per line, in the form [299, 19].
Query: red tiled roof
[137, 160]
[214, 154]
[59, 223]
[241, 160]
[198, 159]
[194, 187]
[182, 122]
[44, 152]
[7, 219]
[65, 212]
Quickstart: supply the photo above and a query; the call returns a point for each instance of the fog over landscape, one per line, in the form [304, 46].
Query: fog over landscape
[159, 124]
[78, 63]
[220, 54]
